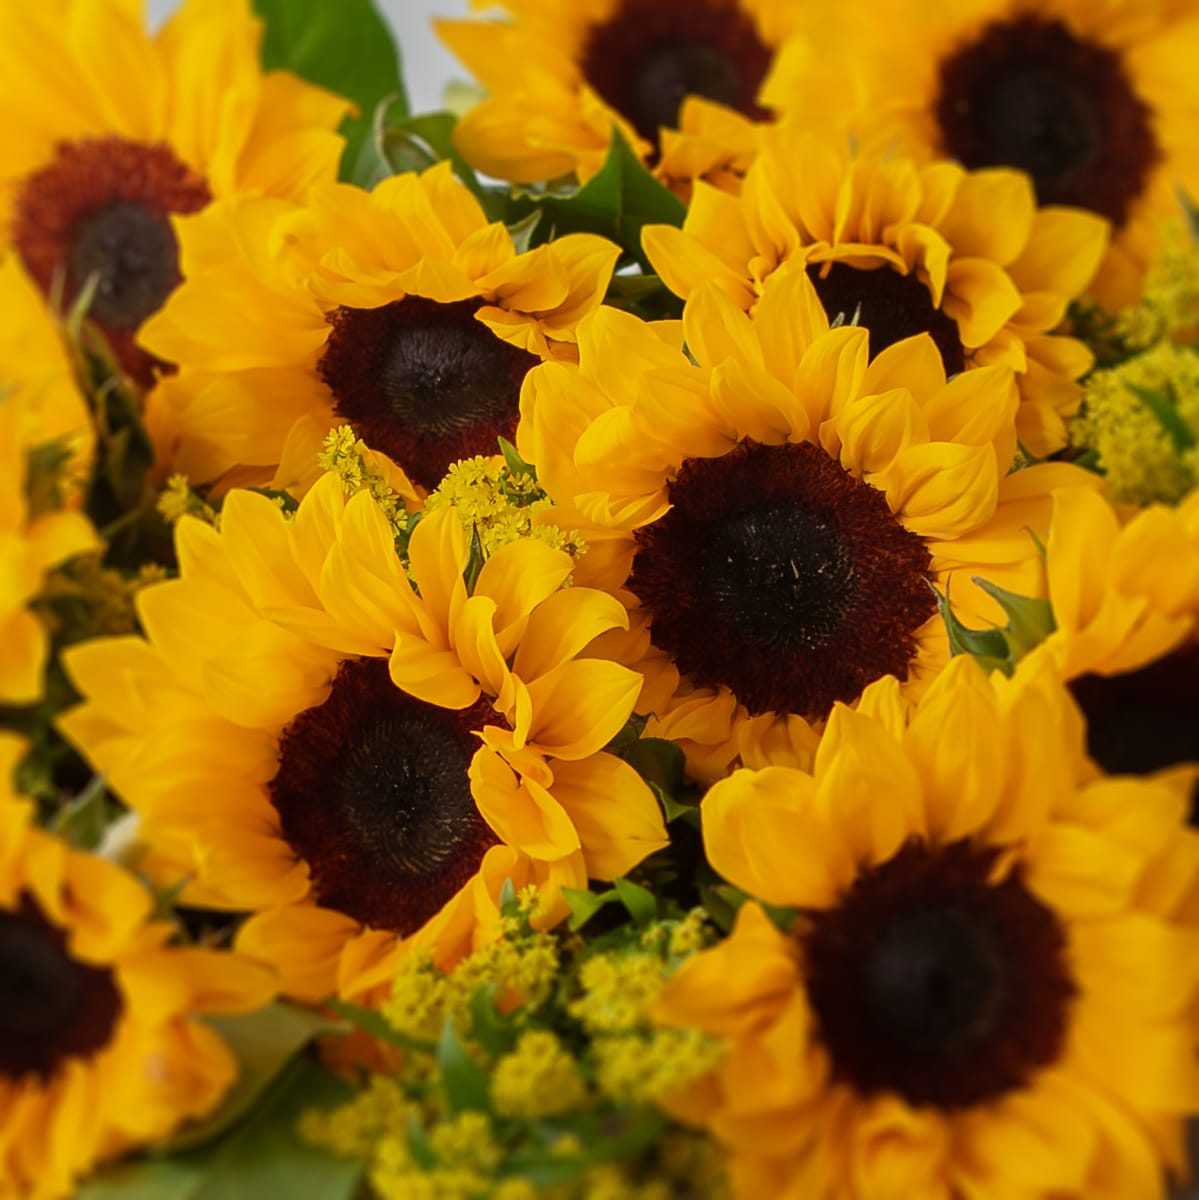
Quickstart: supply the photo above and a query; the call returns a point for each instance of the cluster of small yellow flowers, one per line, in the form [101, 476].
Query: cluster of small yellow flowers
[104, 596]
[1142, 420]
[1169, 308]
[354, 1129]
[617, 991]
[177, 501]
[522, 970]
[466, 1155]
[639, 1068]
[538, 1079]
[501, 505]
[362, 470]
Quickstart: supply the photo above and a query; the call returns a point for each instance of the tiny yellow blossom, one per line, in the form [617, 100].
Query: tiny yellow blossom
[639, 1069]
[617, 991]
[1144, 459]
[361, 469]
[465, 1141]
[417, 1005]
[538, 1079]
[354, 1130]
[178, 501]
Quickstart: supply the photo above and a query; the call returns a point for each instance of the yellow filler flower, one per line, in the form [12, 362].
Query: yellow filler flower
[952, 1011]
[965, 256]
[99, 1048]
[1125, 598]
[110, 131]
[402, 310]
[776, 509]
[359, 758]
[561, 77]
[45, 435]
[1096, 102]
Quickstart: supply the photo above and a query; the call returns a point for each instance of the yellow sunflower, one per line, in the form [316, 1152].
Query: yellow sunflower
[776, 509]
[402, 310]
[1096, 102]
[904, 249]
[953, 1010]
[41, 413]
[111, 130]
[99, 1051]
[360, 759]
[679, 80]
[1125, 599]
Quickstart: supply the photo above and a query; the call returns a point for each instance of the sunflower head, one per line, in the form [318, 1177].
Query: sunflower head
[131, 131]
[563, 79]
[389, 739]
[1095, 104]
[902, 249]
[402, 310]
[775, 508]
[944, 980]
[95, 1003]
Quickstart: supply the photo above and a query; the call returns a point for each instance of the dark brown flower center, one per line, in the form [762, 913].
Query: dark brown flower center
[890, 305]
[1028, 93]
[424, 382]
[373, 793]
[52, 1006]
[778, 575]
[931, 979]
[99, 214]
[651, 54]
[1143, 721]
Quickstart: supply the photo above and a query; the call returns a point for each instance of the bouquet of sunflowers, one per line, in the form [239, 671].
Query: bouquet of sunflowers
[634, 640]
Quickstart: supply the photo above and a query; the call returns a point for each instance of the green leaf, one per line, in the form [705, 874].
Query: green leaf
[402, 143]
[487, 1025]
[474, 564]
[462, 1079]
[617, 202]
[345, 46]
[84, 821]
[264, 1041]
[584, 905]
[657, 761]
[640, 902]
[264, 1156]
[1164, 408]
[376, 1025]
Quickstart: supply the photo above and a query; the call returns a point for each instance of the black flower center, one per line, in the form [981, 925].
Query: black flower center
[424, 382]
[889, 305]
[133, 255]
[52, 1007]
[373, 793]
[100, 209]
[1145, 720]
[778, 575]
[932, 979]
[651, 54]
[1029, 94]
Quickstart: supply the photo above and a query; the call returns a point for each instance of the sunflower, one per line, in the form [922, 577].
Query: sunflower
[361, 760]
[45, 435]
[402, 310]
[964, 256]
[950, 1010]
[1097, 103]
[99, 1051]
[1125, 600]
[776, 510]
[562, 77]
[110, 131]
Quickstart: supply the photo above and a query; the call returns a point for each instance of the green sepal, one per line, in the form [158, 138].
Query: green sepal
[640, 903]
[1029, 618]
[512, 459]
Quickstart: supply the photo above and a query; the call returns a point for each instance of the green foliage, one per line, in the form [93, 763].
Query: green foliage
[462, 1080]
[346, 47]
[1029, 622]
[263, 1156]
[617, 202]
